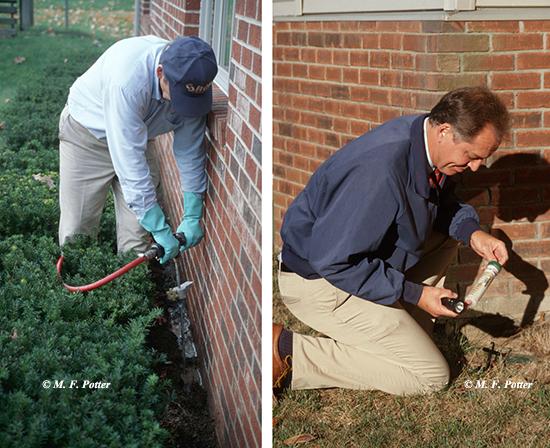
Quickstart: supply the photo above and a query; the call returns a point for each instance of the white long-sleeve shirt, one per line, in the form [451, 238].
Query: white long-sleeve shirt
[119, 99]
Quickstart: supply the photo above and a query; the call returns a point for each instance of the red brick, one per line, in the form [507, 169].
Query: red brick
[384, 25]
[521, 41]
[324, 56]
[391, 79]
[351, 75]
[414, 42]
[537, 25]
[368, 77]
[426, 62]
[359, 58]
[330, 26]
[500, 26]
[533, 60]
[402, 61]
[352, 41]
[515, 81]
[532, 248]
[409, 26]
[435, 26]
[379, 96]
[545, 233]
[255, 36]
[526, 119]
[533, 138]
[379, 59]
[458, 42]
[530, 100]
[391, 41]
[307, 54]
[334, 74]
[370, 41]
[338, 57]
[313, 26]
[314, 72]
[488, 62]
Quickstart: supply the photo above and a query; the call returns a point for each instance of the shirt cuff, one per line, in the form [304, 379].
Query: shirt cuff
[412, 292]
[465, 230]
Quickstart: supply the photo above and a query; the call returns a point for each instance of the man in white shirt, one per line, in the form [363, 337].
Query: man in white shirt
[139, 88]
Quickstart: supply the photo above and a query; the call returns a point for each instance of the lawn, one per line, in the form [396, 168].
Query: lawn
[456, 417]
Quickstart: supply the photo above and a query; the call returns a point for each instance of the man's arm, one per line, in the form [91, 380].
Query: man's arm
[461, 222]
[190, 154]
[347, 236]
[191, 160]
[455, 218]
[127, 140]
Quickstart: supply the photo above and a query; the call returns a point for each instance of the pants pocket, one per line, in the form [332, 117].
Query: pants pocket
[63, 123]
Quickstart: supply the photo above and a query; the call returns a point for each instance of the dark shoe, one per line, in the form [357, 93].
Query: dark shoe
[281, 367]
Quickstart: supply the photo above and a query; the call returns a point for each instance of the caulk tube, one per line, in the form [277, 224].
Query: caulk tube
[482, 283]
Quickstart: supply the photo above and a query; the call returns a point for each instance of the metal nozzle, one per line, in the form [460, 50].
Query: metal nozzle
[455, 305]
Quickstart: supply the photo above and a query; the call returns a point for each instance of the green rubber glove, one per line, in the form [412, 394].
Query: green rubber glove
[154, 222]
[191, 224]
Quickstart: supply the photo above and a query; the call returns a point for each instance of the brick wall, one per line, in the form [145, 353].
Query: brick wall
[334, 81]
[170, 18]
[224, 301]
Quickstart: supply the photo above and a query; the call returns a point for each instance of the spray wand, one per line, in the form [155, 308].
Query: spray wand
[156, 251]
[477, 291]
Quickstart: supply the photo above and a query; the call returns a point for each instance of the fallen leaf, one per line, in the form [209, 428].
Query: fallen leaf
[19, 59]
[46, 180]
[302, 438]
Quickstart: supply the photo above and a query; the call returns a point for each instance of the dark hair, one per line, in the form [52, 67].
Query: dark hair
[469, 109]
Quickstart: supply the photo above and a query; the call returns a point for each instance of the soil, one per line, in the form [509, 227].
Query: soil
[186, 417]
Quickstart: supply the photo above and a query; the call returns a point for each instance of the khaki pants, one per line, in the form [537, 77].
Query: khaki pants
[369, 346]
[86, 173]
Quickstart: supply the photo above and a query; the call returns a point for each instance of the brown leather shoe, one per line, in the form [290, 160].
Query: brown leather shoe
[281, 367]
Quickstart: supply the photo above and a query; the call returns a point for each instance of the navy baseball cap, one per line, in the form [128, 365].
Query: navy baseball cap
[190, 66]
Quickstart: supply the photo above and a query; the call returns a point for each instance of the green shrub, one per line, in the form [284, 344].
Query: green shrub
[47, 333]
[30, 158]
[33, 114]
[28, 205]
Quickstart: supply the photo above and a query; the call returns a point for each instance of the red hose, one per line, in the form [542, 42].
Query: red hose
[104, 280]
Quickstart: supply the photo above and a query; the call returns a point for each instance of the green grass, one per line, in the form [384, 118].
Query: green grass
[456, 417]
[40, 49]
[92, 23]
[126, 5]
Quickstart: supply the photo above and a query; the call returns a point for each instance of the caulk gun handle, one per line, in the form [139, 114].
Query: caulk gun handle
[157, 251]
[180, 236]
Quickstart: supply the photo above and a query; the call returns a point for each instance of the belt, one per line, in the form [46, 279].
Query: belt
[285, 268]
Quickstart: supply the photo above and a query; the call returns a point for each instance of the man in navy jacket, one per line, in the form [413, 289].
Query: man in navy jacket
[366, 245]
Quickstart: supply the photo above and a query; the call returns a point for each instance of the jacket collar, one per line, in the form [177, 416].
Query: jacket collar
[420, 168]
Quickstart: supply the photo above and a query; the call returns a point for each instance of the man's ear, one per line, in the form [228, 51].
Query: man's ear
[159, 71]
[444, 129]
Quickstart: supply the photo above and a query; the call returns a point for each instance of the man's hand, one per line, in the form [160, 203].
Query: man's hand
[489, 247]
[430, 301]
[191, 224]
[154, 222]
